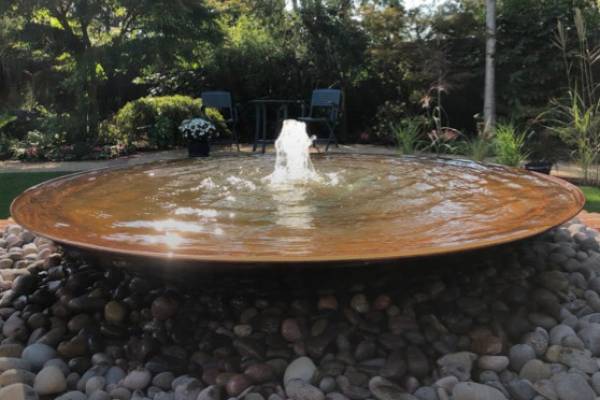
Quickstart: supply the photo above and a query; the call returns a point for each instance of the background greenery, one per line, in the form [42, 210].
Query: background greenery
[69, 69]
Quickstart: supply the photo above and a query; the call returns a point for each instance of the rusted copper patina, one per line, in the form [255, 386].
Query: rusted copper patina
[220, 212]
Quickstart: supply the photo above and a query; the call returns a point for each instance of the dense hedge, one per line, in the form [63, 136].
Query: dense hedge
[154, 119]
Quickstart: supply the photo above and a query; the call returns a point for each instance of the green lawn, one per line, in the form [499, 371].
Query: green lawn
[13, 183]
[592, 198]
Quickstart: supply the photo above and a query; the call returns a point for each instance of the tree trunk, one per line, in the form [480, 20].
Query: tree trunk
[489, 97]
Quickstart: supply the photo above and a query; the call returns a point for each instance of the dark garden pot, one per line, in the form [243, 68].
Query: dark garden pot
[543, 167]
[198, 148]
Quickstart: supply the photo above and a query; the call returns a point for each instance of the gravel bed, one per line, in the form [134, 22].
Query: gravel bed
[518, 322]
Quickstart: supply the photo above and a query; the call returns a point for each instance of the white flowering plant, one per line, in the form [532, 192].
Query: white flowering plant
[198, 128]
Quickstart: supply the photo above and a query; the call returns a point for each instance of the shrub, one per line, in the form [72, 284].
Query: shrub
[7, 146]
[6, 119]
[46, 138]
[576, 117]
[443, 140]
[48, 144]
[509, 145]
[477, 148]
[154, 119]
[407, 134]
[161, 133]
[388, 111]
[213, 115]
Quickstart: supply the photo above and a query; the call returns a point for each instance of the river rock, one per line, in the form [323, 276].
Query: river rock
[519, 354]
[383, 389]
[75, 347]
[72, 395]
[419, 341]
[538, 340]
[327, 302]
[327, 384]
[554, 281]
[352, 389]
[493, 363]
[395, 365]
[210, 393]
[11, 376]
[476, 391]
[590, 336]
[571, 386]
[164, 307]
[50, 380]
[302, 368]
[237, 384]
[137, 379]
[114, 375]
[14, 326]
[115, 312]
[447, 383]
[290, 330]
[520, 389]
[94, 384]
[18, 391]
[13, 350]
[190, 389]
[163, 380]
[13, 363]
[560, 332]
[487, 344]
[297, 389]
[535, 370]
[37, 354]
[575, 358]
[120, 393]
[242, 330]
[457, 364]
[102, 395]
[417, 362]
[260, 373]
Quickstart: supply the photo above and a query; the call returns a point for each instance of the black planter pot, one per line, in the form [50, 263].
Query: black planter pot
[543, 167]
[198, 148]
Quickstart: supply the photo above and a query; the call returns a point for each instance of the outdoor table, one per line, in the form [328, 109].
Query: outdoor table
[260, 109]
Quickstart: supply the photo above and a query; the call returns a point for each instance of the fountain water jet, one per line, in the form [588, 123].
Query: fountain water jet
[292, 163]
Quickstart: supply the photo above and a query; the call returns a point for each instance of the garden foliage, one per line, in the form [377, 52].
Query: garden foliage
[79, 62]
[510, 145]
[155, 119]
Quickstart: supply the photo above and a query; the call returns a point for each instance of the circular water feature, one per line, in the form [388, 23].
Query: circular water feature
[223, 212]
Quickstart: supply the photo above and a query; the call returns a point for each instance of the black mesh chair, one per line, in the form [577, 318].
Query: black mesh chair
[221, 101]
[324, 110]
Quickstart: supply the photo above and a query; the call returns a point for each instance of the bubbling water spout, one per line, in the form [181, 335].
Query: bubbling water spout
[292, 162]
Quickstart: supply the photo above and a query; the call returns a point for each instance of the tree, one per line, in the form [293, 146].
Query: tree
[489, 97]
[91, 44]
[336, 45]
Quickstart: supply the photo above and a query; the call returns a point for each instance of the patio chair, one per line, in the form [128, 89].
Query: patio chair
[324, 110]
[221, 101]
